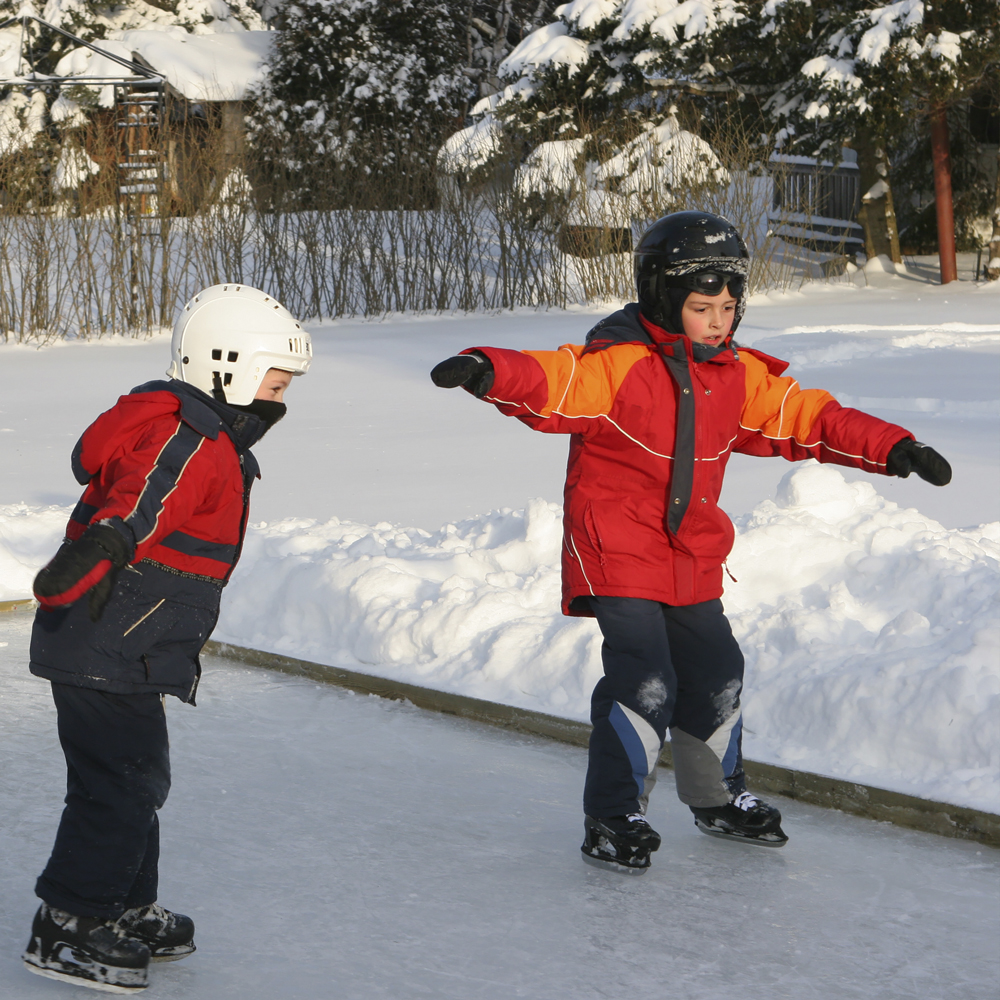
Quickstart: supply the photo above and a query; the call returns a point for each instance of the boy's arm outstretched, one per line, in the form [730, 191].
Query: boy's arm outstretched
[780, 418]
[561, 392]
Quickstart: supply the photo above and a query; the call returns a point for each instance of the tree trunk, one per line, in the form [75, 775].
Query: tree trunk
[993, 265]
[942, 196]
[877, 215]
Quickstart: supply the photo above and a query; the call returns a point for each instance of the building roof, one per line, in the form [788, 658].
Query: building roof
[212, 67]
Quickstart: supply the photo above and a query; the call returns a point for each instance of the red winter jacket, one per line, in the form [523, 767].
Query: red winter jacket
[169, 467]
[165, 463]
[652, 430]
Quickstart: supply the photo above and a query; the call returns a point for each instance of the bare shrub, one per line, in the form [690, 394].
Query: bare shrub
[81, 261]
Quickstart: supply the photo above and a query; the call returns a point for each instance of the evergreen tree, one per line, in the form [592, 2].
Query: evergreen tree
[811, 74]
[879, 73]
[366, 84]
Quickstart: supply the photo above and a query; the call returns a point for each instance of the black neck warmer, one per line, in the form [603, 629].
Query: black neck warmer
[267, 411]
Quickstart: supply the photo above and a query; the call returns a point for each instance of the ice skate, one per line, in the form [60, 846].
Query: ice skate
[620, 843]
[169, 936]
[85, 951]
[746, 818]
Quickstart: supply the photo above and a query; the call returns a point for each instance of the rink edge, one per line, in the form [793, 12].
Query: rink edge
[816, 789]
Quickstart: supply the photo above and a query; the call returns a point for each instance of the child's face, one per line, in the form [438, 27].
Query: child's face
[707, 319]
[273, 385]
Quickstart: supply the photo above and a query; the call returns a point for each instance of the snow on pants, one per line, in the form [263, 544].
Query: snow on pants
[108, 844]
[676, 668]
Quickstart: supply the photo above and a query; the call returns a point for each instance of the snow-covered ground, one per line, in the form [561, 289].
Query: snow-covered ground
[329, 844]
[866, 605]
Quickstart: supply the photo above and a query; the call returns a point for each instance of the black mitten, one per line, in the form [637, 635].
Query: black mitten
[77, 569]
[471, 371]
[911, 456]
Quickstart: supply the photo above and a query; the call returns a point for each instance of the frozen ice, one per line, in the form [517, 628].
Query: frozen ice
[329, 844]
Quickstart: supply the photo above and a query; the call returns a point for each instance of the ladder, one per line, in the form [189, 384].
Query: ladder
[140, 126]
[140, 109]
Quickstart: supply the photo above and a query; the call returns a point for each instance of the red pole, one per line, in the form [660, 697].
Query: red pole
[942, 196]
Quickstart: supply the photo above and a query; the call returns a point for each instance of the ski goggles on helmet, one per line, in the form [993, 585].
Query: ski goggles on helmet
[708, 282]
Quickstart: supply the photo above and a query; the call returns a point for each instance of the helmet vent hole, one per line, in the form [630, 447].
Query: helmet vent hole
[233, 356]
[216, 355]
[227, 378]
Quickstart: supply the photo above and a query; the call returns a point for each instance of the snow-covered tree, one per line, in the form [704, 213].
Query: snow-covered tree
[368, 84]
[493, 29]
[879, 69]
[812, 74]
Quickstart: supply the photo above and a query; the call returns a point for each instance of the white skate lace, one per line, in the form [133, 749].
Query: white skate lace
[745, 801]
[635, 818]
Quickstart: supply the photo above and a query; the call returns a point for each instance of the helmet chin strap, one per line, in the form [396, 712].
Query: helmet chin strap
[217, 391]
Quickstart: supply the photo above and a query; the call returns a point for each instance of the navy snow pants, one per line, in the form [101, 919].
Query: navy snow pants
[676, 668]
[107, 847]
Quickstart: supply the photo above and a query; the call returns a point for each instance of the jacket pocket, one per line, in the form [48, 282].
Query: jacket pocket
[708, 532]
[171, 659]
[592, 526]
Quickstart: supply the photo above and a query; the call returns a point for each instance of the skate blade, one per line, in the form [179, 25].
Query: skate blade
[182, 951]
[612, 866]
[91, 984]
[726, 835]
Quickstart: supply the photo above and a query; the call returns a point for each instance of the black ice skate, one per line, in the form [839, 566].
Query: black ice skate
[746, 818]
[85, 951]
[169, 936]
[621, 843]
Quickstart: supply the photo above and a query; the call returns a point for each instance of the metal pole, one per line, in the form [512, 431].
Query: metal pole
[942, 196]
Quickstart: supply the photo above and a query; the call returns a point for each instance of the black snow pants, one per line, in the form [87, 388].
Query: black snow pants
[107, 847]
[676, 668]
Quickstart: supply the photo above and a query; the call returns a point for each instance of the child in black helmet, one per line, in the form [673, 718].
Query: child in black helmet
[655, 402]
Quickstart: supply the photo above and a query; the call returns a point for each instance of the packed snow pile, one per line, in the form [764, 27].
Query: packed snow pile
[872, 638]
[29, 537]
[870, 631]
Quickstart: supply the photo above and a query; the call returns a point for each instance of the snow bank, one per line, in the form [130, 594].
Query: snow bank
[29, 537]
[472, 608]
[870, 631]
[872, 640]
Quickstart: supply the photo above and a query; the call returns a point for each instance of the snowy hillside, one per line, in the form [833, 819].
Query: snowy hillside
[866, 607]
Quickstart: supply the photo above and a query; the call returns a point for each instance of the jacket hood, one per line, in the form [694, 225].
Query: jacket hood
[207, 415]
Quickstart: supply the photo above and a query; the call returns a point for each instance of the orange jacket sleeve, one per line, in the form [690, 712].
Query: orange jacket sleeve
[780, 418]
[561, 392]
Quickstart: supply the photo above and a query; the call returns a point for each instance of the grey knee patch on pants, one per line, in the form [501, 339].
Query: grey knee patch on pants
[698, 771]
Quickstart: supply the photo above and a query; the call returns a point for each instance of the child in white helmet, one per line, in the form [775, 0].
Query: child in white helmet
[150, 546]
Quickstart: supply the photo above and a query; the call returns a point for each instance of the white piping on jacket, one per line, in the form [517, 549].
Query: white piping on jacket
[580, 561]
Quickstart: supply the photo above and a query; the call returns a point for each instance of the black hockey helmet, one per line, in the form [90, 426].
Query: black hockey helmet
[686, 252]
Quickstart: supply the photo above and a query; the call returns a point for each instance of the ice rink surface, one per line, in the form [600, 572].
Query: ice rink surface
[331, 845]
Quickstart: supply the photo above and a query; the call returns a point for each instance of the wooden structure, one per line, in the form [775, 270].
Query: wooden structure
[815, 205]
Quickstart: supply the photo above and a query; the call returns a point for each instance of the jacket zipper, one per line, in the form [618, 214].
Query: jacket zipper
[243, 521]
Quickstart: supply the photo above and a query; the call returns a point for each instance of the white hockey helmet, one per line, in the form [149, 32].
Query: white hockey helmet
[230, 335]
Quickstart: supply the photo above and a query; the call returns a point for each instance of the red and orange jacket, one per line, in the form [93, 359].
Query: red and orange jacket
[652, 429]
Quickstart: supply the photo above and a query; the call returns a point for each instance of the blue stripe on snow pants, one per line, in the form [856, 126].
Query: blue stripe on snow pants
[107, 848]
[676, 668]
